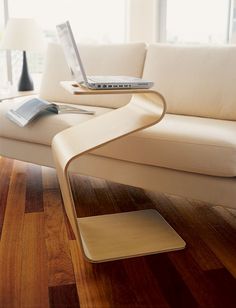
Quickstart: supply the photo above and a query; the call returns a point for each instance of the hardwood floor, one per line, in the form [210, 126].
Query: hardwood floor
[41, 265]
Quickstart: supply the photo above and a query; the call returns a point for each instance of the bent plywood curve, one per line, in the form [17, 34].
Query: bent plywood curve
[146, 108]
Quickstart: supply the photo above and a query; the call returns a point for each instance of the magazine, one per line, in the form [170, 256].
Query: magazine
[36, 107]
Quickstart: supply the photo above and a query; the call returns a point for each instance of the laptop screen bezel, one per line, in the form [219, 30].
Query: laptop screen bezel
[70, 36]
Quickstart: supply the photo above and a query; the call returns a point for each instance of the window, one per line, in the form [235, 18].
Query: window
[95, 21]
[102, 21]
[3, 61]
[233, 24]
[197, 21]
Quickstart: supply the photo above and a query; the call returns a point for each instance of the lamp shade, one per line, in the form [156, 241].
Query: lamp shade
[22, 34]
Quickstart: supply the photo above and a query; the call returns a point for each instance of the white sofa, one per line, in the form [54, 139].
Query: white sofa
[191, 152]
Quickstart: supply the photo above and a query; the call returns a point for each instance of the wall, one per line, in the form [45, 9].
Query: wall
[143, 20]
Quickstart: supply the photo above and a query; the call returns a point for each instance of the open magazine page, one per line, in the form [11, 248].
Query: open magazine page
[36, 107]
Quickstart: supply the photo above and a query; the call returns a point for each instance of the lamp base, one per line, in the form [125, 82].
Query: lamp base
[25, 82]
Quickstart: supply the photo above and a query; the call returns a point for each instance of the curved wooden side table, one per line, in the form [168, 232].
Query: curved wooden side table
[123, 235]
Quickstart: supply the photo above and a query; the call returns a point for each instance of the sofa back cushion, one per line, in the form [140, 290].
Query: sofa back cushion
[113, 59]
[195, 80]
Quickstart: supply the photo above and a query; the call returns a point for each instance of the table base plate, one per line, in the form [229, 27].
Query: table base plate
[126, 235]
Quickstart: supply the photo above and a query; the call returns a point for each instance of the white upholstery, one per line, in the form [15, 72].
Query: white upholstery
[125, 59]
[212, 189]
[43, 130]
[198, 81]
[178, 142]
[192, 144]
[191, 152]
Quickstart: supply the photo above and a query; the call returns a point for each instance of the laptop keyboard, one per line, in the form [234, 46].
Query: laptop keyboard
[112, 79]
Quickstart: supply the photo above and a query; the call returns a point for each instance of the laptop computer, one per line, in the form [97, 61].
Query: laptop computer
[93, 82]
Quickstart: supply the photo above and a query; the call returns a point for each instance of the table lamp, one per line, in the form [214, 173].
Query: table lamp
[23, 34]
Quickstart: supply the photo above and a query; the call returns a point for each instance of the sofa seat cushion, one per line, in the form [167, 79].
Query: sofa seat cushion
[43, 130]
[193, 144]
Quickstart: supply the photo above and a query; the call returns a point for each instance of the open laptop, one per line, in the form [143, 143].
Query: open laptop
[93, 82]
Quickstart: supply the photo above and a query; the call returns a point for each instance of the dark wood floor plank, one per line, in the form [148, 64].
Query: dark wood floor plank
[34, 273]
[5, 174]
[40, 262]
[144, 284]
[232, 211]
[174, 288]
[50, 183]
[182, 217]
[206, 290]
[64, 296]
[82, 277]
[56, 237]
[139, 197]
[85, 199]
[34, 189]
[11, 240]
[102, 285]
[107, 204]
[122, 200]
[225, 287]
[49, 179]
[219, 236]
[226, 214]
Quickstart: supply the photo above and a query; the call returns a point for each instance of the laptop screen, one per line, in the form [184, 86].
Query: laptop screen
[71, 52]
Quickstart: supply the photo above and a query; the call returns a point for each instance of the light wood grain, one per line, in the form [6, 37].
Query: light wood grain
[124, 235]
[146, 108]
